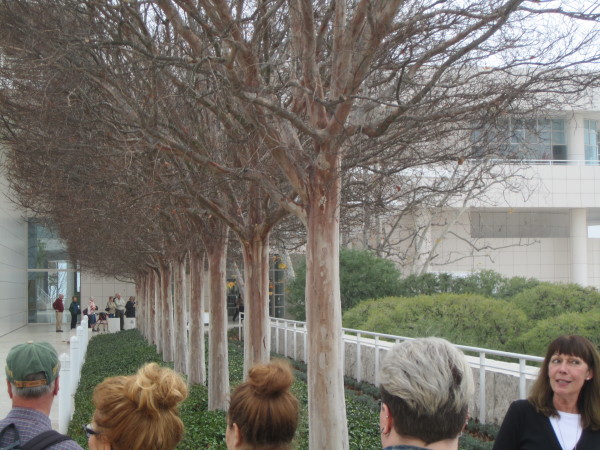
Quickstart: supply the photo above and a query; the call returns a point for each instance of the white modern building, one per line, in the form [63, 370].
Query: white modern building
[34, 269]
[547, 229]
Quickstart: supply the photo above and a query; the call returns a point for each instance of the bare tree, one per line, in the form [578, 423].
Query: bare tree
[325, 87]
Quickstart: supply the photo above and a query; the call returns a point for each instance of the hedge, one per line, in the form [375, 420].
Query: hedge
[550, 300]
[463, 319]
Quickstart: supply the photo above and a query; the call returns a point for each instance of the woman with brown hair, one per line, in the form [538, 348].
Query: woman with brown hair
[263, 413]
[563, 408]
[138, 412]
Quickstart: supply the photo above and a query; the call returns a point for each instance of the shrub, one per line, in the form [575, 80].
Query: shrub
[536, 340]
[463, 319]
[362, 276]
[425, 284]
[550, 300]
[485, 282]
[510, 287]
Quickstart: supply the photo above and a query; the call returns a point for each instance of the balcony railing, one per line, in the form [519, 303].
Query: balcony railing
[366, 348]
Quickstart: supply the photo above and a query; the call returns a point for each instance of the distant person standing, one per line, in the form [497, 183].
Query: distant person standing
[74, 310]
[92, 308]
[111, 308]
[130, 307]
[120, 309]
[59, 308]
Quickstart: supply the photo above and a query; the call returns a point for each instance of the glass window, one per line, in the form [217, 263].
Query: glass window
[590, 130]
[525, 139]
[277, 287]
[50, 273]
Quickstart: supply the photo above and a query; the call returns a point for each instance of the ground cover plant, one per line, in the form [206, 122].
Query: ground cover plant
[123, 353]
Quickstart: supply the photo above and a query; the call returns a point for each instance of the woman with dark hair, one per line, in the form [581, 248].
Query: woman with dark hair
[130, 307]
[263, 414]
[563, 408]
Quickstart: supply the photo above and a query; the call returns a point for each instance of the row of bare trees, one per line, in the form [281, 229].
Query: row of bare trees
[148, 130]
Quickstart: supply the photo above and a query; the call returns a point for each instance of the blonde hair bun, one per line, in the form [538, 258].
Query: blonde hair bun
[146, 402]
[156, 388]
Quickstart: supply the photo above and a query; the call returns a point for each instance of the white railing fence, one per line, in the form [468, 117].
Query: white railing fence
[70, 374]
[498, 381]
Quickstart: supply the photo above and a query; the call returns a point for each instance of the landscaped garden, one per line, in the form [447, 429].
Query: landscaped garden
[123, 353]
[482, 309]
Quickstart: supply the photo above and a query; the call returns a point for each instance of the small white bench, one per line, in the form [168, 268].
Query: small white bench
[114, 324]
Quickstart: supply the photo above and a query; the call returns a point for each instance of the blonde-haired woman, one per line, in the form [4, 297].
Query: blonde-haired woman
[138, 412]
[263, 413]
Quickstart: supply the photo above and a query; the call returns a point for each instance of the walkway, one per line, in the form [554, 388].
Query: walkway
[33, 332]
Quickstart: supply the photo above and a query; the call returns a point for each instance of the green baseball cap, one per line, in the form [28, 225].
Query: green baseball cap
[30, 358]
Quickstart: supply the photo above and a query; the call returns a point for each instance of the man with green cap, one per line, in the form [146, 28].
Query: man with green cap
[32, 371]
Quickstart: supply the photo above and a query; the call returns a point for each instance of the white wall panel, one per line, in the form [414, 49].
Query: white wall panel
[102, 288]
[13, 264]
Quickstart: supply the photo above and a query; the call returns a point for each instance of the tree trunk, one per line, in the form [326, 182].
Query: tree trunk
[168, 339]
[257, 336]
[158, 316]
[140, 291]
[196, 360]
[218, 358]
[150, 306]
[326, 402]
[180, 316]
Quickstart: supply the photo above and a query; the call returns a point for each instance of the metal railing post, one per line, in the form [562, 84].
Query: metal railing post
[358, 359]
[285, 338]
[522, 379]
[376, 360]
[295, 341]
[482, 387]
[277, 327]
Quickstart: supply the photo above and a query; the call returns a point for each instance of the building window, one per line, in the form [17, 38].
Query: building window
[534, 139]
[277, 287]
[539, 139]
[591, 130]
[49, 273]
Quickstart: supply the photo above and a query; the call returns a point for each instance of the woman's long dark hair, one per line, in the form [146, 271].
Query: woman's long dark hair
[541, 394]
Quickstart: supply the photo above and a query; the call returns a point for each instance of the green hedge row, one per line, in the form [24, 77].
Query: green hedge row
[123, 353]
[524, 323]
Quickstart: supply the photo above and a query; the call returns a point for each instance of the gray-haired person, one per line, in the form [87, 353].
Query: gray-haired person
[426, 385]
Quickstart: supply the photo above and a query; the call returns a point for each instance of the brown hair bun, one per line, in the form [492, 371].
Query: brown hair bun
[271, 380]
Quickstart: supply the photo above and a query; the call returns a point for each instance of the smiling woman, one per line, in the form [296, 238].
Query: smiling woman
[563, 409]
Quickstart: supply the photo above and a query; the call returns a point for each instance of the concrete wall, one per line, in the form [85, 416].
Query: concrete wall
[13, 264]
[101, 288]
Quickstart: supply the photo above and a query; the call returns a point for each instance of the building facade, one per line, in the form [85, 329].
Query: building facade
[35, 269]
[547, 229]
